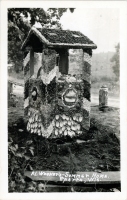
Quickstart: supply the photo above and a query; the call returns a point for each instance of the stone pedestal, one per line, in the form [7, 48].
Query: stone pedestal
[103, 97]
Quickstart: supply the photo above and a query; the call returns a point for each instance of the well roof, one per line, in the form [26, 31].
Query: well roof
[60, 38]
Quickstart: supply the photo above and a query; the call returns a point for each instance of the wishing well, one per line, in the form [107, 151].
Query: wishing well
[56, 93]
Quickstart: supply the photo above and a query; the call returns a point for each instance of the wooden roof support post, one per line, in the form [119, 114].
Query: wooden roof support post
[31, 61]
[64, 61]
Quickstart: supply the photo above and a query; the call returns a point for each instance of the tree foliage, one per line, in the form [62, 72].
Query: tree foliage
[116, 60]
[20, 20]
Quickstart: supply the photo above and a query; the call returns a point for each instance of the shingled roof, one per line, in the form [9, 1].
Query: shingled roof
[59, 38]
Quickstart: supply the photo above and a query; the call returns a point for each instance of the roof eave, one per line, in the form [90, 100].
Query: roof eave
[68, 45]
[38, 34]
[49, 44]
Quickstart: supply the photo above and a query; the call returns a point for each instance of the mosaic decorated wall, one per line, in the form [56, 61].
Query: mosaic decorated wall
[86, 77]
[56, 105]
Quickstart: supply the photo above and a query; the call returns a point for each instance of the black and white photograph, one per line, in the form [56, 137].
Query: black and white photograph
[63, 68]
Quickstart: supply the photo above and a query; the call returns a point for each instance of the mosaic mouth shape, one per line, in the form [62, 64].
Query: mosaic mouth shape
[70, 97]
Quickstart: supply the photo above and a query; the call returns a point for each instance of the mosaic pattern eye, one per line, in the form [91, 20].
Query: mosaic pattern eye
[34, 94]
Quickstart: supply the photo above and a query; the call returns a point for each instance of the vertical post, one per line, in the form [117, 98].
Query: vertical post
[103, 97]
[86, 76]
[76, 62]
[64, 61]
[26, 65]
[42, 94]
[9, 89]
[37, 63]
[31, 62]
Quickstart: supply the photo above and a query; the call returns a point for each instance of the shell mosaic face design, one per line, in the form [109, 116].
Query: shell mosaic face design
[57, 106]
[70, 92]
[43, 117]
[69, 97]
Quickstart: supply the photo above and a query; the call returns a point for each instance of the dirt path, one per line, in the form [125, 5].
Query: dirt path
[112, 101]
